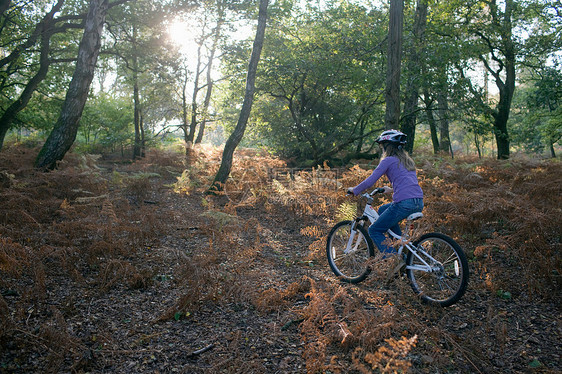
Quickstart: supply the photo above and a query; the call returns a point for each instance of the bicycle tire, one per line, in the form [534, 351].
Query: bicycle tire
[349, 267]
[447, 285]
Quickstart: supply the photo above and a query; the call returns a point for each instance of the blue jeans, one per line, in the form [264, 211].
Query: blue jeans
[389, 216]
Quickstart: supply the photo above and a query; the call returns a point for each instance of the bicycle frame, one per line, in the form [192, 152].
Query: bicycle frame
[370, 214]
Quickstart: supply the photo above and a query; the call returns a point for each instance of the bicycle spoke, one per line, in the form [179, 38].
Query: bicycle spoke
[348, 252]
[445, 283]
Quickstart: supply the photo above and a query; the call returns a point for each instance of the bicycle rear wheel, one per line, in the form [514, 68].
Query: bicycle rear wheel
[351, 264]
[448, 280]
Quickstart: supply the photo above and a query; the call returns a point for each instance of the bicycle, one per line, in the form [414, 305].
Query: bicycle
[435, 264]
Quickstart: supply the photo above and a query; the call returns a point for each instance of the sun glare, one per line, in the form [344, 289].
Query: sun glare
[182, 36]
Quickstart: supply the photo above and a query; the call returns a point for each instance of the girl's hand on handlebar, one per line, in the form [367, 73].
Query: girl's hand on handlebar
[381, 190]
[349, 191]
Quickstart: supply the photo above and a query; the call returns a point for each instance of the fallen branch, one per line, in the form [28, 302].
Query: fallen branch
[202, 350]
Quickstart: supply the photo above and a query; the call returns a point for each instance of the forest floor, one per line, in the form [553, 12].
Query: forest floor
[114, 267]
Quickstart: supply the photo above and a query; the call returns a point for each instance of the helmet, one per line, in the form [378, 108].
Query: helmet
[392, 136]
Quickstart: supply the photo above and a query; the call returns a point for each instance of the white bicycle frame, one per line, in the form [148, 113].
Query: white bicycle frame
[372, 215]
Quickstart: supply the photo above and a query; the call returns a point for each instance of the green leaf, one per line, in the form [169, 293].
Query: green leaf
[506, 295]
[535, 363]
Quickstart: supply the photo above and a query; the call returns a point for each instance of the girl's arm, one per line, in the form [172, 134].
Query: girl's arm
[373, 178]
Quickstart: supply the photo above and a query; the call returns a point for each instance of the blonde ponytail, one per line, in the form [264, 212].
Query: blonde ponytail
[399, 152]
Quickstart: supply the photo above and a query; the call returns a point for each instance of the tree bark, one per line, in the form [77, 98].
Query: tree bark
[210, 83]
[238, 133]
[414, 72]
[428, 101]
[477, 145]
[196, 88]
[64, 133]
[444, 138]
[136, 97]
[184, 126]
[392, 91]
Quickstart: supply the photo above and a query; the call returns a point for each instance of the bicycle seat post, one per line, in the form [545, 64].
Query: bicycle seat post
[410, 223]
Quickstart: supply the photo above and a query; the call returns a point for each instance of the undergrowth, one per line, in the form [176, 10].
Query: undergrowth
[89, 224]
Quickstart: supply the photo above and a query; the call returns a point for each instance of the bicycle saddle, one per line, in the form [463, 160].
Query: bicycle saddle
[414, 216]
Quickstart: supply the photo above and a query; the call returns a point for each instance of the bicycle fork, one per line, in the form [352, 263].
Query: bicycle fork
[352, 247]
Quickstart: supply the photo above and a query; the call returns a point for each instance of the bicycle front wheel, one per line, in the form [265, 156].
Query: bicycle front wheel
[441, 276]
[348, 251]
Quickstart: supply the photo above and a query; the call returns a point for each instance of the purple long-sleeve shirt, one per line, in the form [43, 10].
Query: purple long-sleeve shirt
[404, 182]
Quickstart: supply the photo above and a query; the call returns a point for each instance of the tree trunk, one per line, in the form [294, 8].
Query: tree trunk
[64, 133]
[184, 126]
[142, 138]
[501, 133]
[414, 71]
[238, 133]
[210, 83]
[444, 138]
[431, 119]
[196, 88]
[201, 132]
[501, 115]
[392, 91]
[477, 144]
[362, 126]
[136, 118]
[136, 98]
[506, 87]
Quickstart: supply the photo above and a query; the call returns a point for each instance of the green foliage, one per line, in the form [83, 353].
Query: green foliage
[321, 79]
[318, 83]
[346, 211]
[537, 124]
[506, 295]
[106, 123]
[484, 41]
[36, 55]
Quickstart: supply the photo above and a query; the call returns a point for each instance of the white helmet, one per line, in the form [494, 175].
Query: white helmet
[392, 136]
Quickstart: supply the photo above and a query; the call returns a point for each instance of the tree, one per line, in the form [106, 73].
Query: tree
[502, 50]
[488, 31]
[146, 63]
[13, 66]
[217, 32]
[539, 107]
[106, 123]
[321, 93]
[238, 133]
[208, 39]
[64, 133]
[392, 92]
[415, 54]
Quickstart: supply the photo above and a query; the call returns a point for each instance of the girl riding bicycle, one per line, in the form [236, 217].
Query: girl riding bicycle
[407, 196]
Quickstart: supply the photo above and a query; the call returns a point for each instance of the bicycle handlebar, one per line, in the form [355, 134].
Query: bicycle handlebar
[379, 190]
[376, 191]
